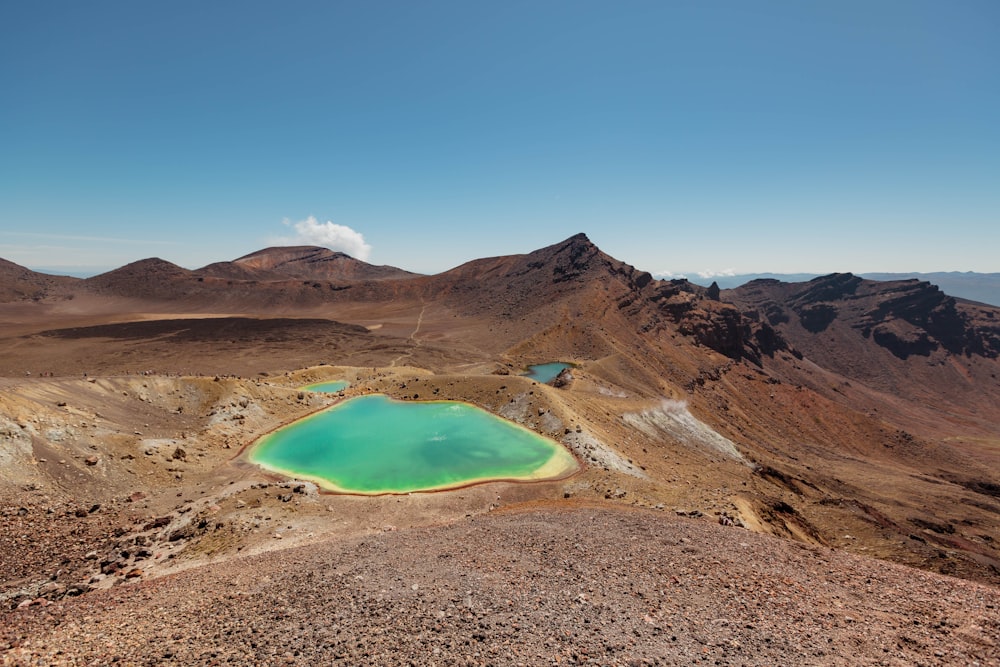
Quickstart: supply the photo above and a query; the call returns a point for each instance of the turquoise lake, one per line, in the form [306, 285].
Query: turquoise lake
[331, 387]
[545, 373]
[374, 445]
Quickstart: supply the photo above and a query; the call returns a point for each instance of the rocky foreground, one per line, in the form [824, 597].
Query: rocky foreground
[533, 587]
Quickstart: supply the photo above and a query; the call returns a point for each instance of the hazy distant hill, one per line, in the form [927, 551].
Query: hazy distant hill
[982, 287]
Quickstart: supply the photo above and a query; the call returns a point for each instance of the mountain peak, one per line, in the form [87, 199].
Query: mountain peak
[144, 267]
[569, 259]
[578, 241]
[276, 255]
[144, 278]
[315, 263]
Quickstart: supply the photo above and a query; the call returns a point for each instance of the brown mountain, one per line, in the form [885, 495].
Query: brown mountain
[512, 285]
[18, 283]
[905, 337]
[576, 284]
[295, 277]
[315, 263]
[905, 317]
[146, 278]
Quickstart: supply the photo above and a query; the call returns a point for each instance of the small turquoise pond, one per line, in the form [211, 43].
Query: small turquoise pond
[374, 445]
[546, 373]
[331, 387]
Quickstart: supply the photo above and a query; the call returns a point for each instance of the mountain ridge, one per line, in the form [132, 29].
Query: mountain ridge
[973, 286]
[510, 286]
[970, 285]
[316, 263]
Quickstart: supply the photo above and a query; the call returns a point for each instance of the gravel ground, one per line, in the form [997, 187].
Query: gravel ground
[539, 587]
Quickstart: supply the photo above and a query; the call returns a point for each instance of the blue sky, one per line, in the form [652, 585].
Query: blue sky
[681, 136]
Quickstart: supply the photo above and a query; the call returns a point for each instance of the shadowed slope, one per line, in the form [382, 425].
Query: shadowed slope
[904, 337]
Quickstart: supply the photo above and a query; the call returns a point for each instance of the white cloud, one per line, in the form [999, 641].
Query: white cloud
[668, 275]
[329, 235]
[704, 275]
[725, 273]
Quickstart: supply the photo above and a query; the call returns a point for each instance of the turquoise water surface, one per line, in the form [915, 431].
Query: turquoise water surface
[373, 444]
[545, 373]
[331, 387]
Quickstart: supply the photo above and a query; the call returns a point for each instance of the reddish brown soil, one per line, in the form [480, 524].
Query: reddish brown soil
[572, 586]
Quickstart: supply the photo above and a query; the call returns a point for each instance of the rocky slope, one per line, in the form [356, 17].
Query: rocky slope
[575, 282]
[144, 279]
[905, 337]
[571, 586]
[906, 318]
[314, 263]
[18, 283]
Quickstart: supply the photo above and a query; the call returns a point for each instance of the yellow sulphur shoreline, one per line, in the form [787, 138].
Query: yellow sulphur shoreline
[560, 465]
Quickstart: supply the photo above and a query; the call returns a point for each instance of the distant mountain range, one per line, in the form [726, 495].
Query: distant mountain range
[760, 316]
[310, 262]
[981, 287]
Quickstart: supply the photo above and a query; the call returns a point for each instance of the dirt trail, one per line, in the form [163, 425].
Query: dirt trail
[412, 338]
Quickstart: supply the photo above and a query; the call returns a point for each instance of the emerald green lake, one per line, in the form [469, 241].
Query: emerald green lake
[545, 373]
[373, 444]
[331, 387]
